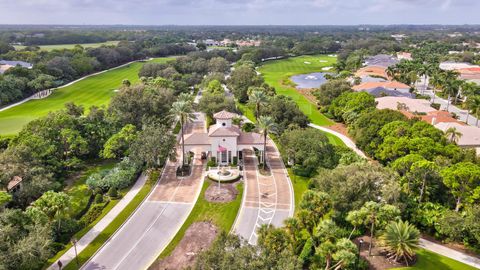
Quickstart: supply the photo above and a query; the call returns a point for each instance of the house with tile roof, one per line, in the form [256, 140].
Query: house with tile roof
[224, 141]
[415, 106]
[384, 88]
[470, 135]
[381, 60]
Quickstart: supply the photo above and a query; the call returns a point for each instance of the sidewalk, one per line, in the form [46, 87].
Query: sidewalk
[102, 224]
[348, 142]
[450, 253]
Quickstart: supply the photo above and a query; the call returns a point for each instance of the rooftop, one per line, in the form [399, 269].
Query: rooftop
[224, 115]
[382, 60]
[220, 131]
[15, 63]
[371, 71]
[412, 105]
[393, 85]
[470, 134]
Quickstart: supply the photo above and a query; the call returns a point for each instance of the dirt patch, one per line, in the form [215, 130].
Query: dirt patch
[225, 193]
[198, 237]
[340, 128]
[378, 260]
[308, 93]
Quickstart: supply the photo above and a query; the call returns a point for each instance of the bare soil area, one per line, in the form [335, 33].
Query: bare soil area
[378, 260]
[226, 192]
[198, 237]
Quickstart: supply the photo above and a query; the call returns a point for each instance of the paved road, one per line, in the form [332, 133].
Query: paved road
[267, 199]
[472, 120]
[157, 220]
[102, 224]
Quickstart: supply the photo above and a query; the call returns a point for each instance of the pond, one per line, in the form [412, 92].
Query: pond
[312, 80]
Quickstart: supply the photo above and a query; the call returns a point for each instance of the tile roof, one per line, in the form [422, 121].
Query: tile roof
[372, 71]
[15, 63]
[197, 139]
[16, 180]
[382, 60]
[436, 117]
[224, 115]
[250, 138]
[219, 131]
[388, 84]
[413, 105]
[470, 134]
[382, 91]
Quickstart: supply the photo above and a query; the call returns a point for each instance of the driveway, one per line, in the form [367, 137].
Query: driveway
[267, 199]
[153, 225]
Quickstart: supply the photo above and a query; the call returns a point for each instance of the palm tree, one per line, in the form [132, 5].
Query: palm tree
[474, 104]
[184, 97]
[258, 98]
[469, 90]
[453, 135]
[401, 240]
[183, 113]
[266, 125]
[450, 84]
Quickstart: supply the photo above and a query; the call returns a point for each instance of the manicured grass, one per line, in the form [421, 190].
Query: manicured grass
[69, 46]
[96, 90]
[277, 71]
[116, 223]
[430, 260]
[221, 215]
[300, 185]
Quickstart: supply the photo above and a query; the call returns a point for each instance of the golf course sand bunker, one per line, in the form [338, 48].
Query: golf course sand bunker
[198, 237]
[312, 80]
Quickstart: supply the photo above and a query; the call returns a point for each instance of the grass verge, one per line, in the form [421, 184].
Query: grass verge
[430, 260]
[116, 223]
[221, 215]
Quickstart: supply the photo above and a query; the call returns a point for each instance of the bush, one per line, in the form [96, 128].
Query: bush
[119, 177]
[92, 214]
[212, 162]
[435, 106]
[98, 198]
[248, 127]
[67, 228]
[113, 192]
[234, 161]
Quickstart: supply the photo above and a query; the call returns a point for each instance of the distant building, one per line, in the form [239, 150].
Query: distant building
[381, 60]
[399, 37]
[385, 88]
[415, 106]
[404, 56]
[6, 65]
[210, 42]
[372, 71]
[470, 73]
[449, 65]
[470, 135]
[15, 184]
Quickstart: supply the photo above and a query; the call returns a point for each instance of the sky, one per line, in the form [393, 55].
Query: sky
[239, 12]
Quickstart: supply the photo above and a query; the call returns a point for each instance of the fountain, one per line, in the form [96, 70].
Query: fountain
[224, 174]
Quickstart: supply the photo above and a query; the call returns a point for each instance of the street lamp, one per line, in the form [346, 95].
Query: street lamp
[74, 243]
[360, 242]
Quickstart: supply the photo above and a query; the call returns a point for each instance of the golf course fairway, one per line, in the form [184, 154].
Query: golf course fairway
[95, 90]
[277, 72]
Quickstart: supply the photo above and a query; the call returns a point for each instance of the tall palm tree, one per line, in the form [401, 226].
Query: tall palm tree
[258, 98]
[453, 134]
[266, 125]
[182, 111]
[450, 84]
[401, 240]
[185, 97]
[474, 104]
[469, 90]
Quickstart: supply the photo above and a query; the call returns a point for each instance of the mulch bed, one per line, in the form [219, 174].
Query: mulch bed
[198, 237]
[378, 260]
[226, 193]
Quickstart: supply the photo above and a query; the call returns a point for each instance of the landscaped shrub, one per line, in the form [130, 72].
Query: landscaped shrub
[212, 162]
[248, 127]
[93, 213]
[119, 177]
[435, 106]
[63, 233]
[113, 192]
[98, 198]
[235, 161]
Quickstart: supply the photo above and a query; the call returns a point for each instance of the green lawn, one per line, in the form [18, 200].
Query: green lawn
[96, 90]
[116, 223]
[430, 260]
[277, 71]
[300, 185]
[69, 46]
[221, 214]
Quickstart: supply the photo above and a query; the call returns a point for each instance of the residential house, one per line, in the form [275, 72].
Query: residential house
[381, 60]
[6, 65]
[385, 88]
[470, 135]
[404, 56]
[415, 106]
